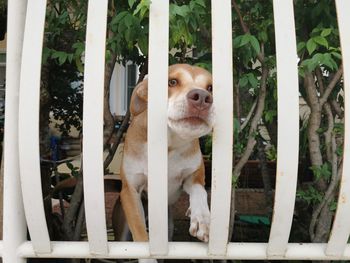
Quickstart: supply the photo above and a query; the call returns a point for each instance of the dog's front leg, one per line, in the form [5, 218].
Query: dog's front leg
[133, 209]
[198, 210]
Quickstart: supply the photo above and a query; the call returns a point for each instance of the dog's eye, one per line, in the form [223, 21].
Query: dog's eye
[210, 88]
[172, 83]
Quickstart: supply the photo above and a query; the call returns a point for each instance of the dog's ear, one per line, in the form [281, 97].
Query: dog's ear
[138, 102]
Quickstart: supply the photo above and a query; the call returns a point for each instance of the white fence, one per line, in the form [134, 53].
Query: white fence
[23, 205]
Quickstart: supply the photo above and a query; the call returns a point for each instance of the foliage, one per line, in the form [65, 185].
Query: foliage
[3, 5]
[310, 195]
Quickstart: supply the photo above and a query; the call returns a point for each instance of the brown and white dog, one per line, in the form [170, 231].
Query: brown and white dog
[190, 116]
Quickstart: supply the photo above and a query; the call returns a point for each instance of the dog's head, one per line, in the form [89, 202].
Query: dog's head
[190, 103]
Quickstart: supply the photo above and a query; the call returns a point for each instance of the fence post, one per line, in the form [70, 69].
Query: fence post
[28, 133]
[223, 128]
[158, 127]
[93, 126]
[14, 226]
[288, 127]
[341, 226]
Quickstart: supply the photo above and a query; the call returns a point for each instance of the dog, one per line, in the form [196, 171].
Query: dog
[190, 116]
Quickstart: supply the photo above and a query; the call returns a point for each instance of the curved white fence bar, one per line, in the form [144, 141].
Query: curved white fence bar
[288, 127]
[185, 250]
[28, 135]
[14, 225]
[93, 126]
[158, 127]
[223, 129]
[341, 226]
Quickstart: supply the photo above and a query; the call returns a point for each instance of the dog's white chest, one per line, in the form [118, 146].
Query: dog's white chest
[180, 167]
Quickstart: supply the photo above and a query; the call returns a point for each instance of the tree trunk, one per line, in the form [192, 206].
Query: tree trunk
[320, 229]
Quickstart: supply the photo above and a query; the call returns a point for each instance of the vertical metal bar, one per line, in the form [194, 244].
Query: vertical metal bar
[288, 127]
[223, 129]
[14, 225]
[93, 126]
[28, 135]
[341, 226]
[158, 127]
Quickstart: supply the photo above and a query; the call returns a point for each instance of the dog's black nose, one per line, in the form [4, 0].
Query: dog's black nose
[200, 99]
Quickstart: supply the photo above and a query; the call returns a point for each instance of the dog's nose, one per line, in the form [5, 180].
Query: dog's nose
[200, 99]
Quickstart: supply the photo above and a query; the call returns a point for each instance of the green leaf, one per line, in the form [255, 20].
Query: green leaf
[46, 54]
[301, 46]
[325, 32]
[311, 46]
[336, 55]
[255, 44]
[79, 48]
[269, 115]
[317, 58]
[143, 45]
[128, 20]
[62, 58]
[70, 57]
[237, 41]
[243, 81]
[181, 10]
[79, 64]
[131, 3]
[70, 166]
[245, 40]
[253, 80]
[329, 61]
[321, 41]
[119, 17]
[201, 3]
[263, 36]
[142, 7]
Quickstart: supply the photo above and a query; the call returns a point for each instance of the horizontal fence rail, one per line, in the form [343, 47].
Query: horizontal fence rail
[22, 192]
[185, 250]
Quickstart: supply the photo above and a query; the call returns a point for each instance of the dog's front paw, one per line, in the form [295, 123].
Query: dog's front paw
[199, 227]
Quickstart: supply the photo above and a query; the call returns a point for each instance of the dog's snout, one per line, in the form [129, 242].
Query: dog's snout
[200, 99]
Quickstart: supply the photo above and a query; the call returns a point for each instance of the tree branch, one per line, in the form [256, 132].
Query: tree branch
[254, 124]
[124, 126]
[79, 222]
[241, 21]
[75, 203]
[249, 116]
[331, 85]
[319, 225]
[328, 197]
[314, 120]
[336, 108]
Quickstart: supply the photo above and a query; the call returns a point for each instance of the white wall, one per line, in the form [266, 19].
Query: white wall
[117, 90]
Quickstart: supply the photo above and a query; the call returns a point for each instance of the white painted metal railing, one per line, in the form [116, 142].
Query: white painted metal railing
[22, 168]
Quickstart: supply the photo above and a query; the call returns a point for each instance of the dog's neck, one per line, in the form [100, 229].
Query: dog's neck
[175, 141]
